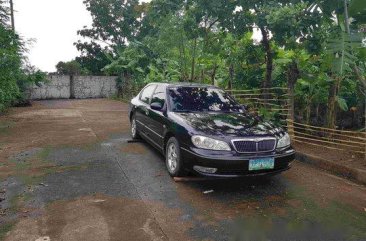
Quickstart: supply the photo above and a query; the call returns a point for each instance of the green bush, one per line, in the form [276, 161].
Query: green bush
[15, 75]
[10, 65]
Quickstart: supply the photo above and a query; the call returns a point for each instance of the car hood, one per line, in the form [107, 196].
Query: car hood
[228, 124]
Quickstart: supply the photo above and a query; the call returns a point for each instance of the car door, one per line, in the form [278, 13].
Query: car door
[157, 118]
[142, 110]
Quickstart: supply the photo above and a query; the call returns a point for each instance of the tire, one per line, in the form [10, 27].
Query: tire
[173, 161]
[134, 131]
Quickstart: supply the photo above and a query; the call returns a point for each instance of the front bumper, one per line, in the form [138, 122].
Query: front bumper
[231, 164]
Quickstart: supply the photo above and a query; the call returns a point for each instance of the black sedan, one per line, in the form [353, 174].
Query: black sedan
[202, 129]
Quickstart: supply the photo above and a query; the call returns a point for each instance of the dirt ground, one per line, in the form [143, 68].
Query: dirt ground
[346, 158]
[68, 173]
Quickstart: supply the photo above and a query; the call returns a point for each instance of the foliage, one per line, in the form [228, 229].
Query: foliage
[305, 46]
[15, 75]
[92, 57]
[115, 23]
[357, 10]
[70, 68]
[4, 13]
[10, 63]
[342, 46]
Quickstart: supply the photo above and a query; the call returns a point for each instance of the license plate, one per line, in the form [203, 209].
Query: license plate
[261, 164]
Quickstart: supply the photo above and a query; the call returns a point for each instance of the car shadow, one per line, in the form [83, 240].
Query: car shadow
[228, 188]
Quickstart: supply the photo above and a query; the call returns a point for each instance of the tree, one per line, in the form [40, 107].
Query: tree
[4, 13]
[70, 68]
[10, 67]
[294, 27]
[92, 57]
[283, 22]
[211, 42]
[15, 73]
[341, 46]
[115, 23]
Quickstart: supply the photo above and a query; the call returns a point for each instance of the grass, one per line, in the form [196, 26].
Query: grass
[32, 170]
[44, 154]
[5, 228]
[5, 126]
[125, 99]
[333, 216]
[15, 203]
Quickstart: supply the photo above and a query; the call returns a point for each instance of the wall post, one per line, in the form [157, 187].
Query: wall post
[72, 87]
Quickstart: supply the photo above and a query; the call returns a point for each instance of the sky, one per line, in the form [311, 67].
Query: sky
[53, 25]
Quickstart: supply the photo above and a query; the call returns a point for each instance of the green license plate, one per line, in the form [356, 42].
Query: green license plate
[261, 164]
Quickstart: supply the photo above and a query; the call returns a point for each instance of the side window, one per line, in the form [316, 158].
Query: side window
[147, 93]
[159, 95]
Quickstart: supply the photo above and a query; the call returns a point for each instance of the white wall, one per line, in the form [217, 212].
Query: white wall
[59, 87]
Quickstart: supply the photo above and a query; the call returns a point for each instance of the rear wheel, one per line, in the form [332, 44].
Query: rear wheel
[134, 130]
[173, 159]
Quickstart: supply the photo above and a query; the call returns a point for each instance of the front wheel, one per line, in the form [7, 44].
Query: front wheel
[173, 159]
[134, 131]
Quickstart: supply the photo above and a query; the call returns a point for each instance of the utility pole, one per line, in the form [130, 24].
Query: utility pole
[346, 16]
[12, 15]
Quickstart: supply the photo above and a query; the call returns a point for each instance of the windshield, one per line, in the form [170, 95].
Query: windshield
[193, 99]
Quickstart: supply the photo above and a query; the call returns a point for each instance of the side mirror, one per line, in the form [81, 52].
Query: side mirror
[156, 106]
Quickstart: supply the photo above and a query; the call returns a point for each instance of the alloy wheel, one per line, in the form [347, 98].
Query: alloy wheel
[172, 157]
[133, 128]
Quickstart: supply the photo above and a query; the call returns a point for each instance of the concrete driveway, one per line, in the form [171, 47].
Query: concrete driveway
[68, 173]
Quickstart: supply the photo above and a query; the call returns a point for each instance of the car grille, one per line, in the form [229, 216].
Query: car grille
[254, 145]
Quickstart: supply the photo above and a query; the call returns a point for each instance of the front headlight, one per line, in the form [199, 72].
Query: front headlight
[284, 141]
[210, 144]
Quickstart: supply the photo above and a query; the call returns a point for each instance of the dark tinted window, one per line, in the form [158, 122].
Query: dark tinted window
[147, 93]
[201, 99]
[159, 95]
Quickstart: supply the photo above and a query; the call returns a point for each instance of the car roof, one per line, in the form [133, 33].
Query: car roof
[183, 84]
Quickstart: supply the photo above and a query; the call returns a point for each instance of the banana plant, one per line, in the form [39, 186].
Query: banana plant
[342, 46]
[357, 9]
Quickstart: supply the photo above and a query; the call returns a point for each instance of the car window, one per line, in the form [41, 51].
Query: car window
[159, 95]
[147, 93]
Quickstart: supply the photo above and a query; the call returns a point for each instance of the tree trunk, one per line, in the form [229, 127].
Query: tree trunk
[184, 74]
[213, 75]
[231, 77]
[331, 112]
[293, 74]
[181, 62]
[346, 17]
[308, 113]
[193, 60]
[267, 83]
